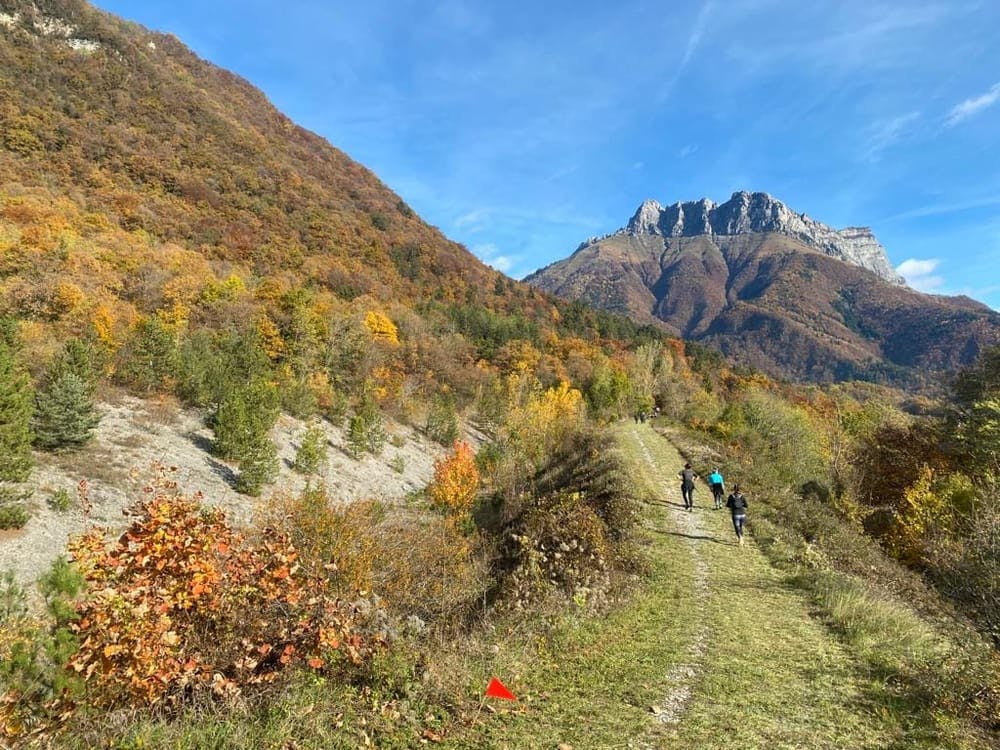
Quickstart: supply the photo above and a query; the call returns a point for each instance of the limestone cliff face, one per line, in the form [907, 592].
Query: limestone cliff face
[755, 213]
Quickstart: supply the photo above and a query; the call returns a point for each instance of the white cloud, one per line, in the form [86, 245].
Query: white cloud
[700, 24]
[920, 274]
[687, 151]
[488, 254]
[942, 209]
[866, 39]
[500, 263]
[974, 105]
[693, 41]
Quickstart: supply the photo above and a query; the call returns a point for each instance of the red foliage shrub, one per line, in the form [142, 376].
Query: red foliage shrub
[182, 604]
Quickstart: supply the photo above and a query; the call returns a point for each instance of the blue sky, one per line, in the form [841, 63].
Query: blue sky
[522, 128]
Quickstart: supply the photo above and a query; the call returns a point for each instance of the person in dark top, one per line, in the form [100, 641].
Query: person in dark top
[737, 504]
[688, 475]
[718, 487]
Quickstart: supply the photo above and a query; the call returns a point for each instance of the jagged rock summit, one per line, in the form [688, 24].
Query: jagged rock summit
[748, 213]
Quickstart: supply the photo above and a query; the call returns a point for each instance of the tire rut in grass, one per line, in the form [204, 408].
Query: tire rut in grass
[682, 678]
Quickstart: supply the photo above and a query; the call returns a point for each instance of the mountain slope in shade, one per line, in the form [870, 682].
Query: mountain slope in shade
[774, 290]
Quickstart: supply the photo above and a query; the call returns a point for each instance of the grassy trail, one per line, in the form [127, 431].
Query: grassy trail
[718, 650]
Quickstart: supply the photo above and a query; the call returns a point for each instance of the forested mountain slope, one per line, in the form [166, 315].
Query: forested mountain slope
[136, 131]
[188, 277]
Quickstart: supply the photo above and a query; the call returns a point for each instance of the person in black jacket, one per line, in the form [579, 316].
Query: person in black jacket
[688, 475]
[737, 504]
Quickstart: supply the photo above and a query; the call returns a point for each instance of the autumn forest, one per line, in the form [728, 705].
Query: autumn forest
[166, 233]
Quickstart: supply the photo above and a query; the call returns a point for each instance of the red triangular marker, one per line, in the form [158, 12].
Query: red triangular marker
[497, 689]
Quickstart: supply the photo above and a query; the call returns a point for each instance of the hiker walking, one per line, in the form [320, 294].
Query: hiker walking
[718, 487]
[737, 504]
[687, 475]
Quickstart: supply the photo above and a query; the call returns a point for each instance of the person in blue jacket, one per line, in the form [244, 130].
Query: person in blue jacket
[718, 487]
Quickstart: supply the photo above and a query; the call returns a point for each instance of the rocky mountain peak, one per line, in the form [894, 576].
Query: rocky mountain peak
[756, 212]
[646, 219]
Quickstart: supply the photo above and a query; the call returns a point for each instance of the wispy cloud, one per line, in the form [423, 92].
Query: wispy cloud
[972, 106]
[920, 274]
[884, 133]
[700, 23]
[863, 37]
[473, 221]
[693, 41]
[941, 209]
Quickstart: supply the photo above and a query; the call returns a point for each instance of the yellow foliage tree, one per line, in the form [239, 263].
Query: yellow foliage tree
[546, 418]
[229, 289]
[175, 317]
[270, 334]
[67, 296]
[104, 326]
[456, 481]
[920, 509]
[381, 328]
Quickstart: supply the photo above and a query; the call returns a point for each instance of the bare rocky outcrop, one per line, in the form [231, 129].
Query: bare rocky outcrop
[135, 435]
[755, 213]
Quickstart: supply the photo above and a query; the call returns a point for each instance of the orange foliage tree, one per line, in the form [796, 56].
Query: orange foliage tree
[456, 480]
[182, 604]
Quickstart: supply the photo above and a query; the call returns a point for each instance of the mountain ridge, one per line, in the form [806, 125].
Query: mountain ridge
[757, 212]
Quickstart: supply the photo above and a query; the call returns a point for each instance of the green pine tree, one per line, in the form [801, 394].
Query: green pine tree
[312, 451]
[13, 511]
[243, 417]
[442, 421]
[65, 416]
[78, 358]
[258, 466]
[16, 399]
[150, 358]
[365, 431]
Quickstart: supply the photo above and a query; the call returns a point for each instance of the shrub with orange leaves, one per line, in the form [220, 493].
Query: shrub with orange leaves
[456, 480]
[181, 604]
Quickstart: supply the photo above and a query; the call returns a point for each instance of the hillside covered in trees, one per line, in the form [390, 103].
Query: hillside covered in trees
[166, 233]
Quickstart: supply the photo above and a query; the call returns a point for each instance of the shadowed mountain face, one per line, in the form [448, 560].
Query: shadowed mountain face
[775, 291]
